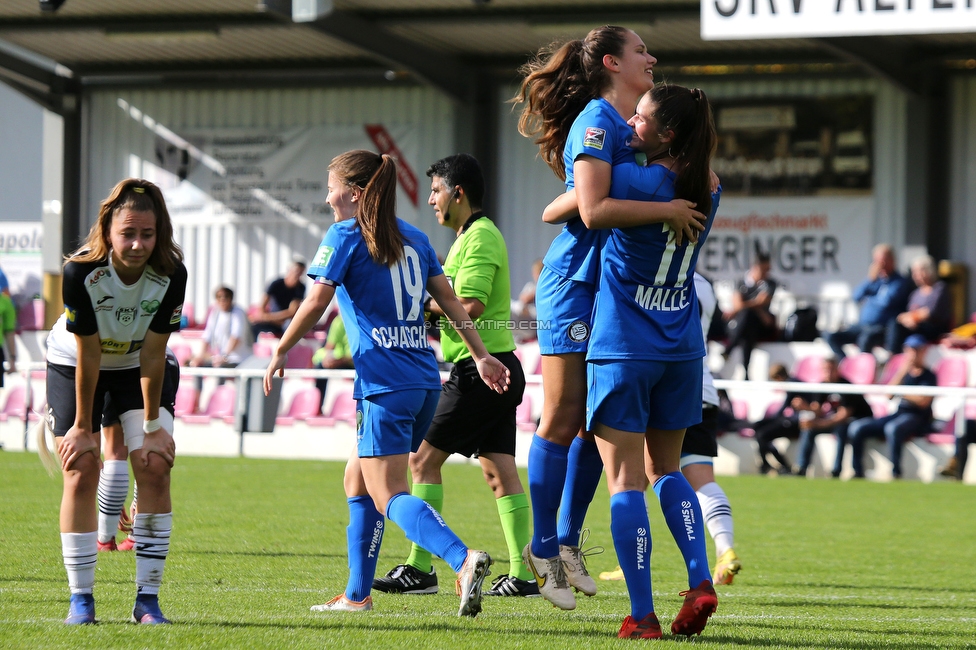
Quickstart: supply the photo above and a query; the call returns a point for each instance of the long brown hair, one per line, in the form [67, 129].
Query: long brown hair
[558, 84]
[687, 113]
[376, 176]
[137, 195]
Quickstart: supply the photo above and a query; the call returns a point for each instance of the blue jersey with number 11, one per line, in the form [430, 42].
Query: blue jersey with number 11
[647, 307]
[382, 307]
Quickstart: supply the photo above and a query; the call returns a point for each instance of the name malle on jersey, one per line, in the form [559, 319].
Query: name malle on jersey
[662, 298]
[115, 315]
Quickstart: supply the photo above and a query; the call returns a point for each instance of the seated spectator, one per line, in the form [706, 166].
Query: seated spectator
[956, 466]
[913, 417]
[336, 352]
[929, 306]
[750, 320]
[830, 413]
[882, 296]
[784, 424]
[280, 302]
[226, 336]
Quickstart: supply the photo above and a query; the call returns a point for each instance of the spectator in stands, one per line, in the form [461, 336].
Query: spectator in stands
[929, 306]
[335, 354]
[226, 336]
[281, 301]
[784, 424]
[830, 413]
[882, 296]
[750, 319]
[956, 466]
[913, 417]
[8, 325]
[523, 309]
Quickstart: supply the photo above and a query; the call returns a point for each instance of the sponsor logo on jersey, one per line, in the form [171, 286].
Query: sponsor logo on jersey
[111, 346]
[70, 314]
[104, 304]
[579, 331]
[125, 315]
[322, 256]
[177, 315]
[155, 278]
[150, 307]
[95, 277]
[594, 137]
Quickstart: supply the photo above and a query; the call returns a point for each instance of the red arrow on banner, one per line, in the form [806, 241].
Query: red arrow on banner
[384, 142]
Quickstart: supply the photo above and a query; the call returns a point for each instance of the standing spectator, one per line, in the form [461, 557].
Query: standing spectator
[750, 319]
[883, 295]
[929, 310]
[226, 336]
[956, 466]
[8, 325]
[913, 417]
[335, 354]
[280, 301]
[831, 413]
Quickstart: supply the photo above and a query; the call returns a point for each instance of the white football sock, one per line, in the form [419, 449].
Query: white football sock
[151, 532]
[79, 551]
[113, 487]
[717, 514]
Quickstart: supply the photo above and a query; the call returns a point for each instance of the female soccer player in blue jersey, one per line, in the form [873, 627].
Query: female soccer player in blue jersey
[577, 101]
[378, 267]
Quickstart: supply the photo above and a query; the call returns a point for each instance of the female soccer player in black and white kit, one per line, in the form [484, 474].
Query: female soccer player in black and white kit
[123, 294]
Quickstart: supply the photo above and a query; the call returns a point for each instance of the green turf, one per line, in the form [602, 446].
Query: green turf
[827, 565]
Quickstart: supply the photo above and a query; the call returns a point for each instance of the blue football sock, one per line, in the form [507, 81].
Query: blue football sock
[631, 533]
[682, 513]
[583, 471]
[424, 526]
[364, 534]
[547, 474]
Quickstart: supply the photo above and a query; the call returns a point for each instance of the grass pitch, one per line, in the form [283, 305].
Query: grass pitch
[854, 565]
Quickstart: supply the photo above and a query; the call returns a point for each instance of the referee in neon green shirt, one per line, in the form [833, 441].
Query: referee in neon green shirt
[472, 420]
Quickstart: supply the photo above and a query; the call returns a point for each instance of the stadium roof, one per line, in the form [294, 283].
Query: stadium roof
[455, 45]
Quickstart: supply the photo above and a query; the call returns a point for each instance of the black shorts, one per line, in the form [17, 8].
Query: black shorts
[116, 392]
[473, 419]
[702, 439]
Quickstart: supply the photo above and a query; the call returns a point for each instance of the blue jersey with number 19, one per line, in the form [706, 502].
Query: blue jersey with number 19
[646, 306]
[382, 307]
[598, 131]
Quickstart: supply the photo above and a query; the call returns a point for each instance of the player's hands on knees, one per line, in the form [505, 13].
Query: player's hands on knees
[685, 221]
[75, 444]
[494, 373]
[159, 442]
[277, 365]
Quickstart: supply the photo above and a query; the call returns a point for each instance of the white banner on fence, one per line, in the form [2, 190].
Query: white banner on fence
[20, 259]
[222, 175]
[813, 241]
[740, 19]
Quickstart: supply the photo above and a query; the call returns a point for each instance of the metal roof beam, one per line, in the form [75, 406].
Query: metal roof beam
[37, 77]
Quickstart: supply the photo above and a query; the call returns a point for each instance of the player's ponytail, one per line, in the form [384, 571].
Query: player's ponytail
[687, 113]
[376, 178]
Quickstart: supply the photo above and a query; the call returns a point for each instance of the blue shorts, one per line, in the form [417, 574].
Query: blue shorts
[638, 394]
[564, 309]
[394, 423]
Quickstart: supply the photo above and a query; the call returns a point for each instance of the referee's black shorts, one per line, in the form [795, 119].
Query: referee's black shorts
[472, 419]
[702, 439]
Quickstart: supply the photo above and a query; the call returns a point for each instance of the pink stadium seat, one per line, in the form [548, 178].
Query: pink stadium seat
[182, 352]
[740, 409]
[859, 369]
[16, 404]
[188, 314]
[222, 404]
[809, 369]
[300, 356]
[891, 367]
[343, 410]
[952, 371]
[262, 349]
[523, 415]
[186, 400]
[538, 366]
[305, 404]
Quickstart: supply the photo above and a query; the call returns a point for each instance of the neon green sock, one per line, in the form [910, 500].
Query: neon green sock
[432, 493]
[513, 511]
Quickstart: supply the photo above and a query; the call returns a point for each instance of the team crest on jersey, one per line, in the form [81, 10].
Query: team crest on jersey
[150, 306]
[177, 315]
[594, 137]
[125, 315]
[322, 256]
[579, 331]
[359, 419]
